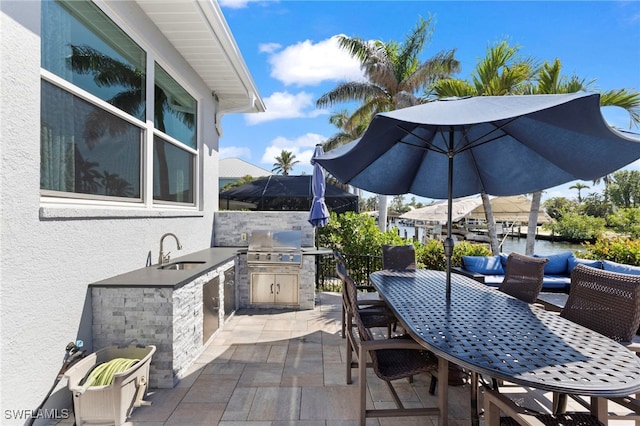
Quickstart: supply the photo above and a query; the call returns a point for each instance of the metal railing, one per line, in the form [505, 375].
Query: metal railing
[359, 267]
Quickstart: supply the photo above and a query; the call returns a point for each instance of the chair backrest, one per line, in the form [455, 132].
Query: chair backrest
[524, 277]
[349, 287]
[398, 257]
[604, 301]
[339, 258]
[364, 332]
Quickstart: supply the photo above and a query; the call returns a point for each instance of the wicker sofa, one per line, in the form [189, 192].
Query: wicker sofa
[557, 272]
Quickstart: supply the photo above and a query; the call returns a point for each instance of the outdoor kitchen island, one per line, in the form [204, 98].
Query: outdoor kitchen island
[276, 272]
[177, 310]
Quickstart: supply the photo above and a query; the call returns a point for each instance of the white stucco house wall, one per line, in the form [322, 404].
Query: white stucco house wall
[86, 200]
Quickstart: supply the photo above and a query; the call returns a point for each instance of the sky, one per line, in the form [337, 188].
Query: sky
[291, 52]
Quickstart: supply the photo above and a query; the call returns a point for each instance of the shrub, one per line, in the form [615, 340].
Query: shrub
[626, 221]
[621, 250]
[358, 234]
[577, 227]
[431, 255]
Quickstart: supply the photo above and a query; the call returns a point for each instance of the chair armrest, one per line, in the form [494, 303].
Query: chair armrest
[628, 402]
[371, 302]
[372, 345]
[460, 270]
[365, 287]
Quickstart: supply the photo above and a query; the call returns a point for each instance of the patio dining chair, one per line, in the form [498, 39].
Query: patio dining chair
[342, 264]
[399, 257]
[606, 302]
[523, 280]
[372, 314]
[523, 277]
[495, 403]
[391, 359]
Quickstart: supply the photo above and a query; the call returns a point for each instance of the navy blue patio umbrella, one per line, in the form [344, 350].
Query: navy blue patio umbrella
[319, 213]
[499, 145]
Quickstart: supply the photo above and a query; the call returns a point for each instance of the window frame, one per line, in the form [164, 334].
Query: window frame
[52, 199]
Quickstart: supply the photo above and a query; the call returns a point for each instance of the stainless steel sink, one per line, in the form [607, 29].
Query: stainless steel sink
[180, 266]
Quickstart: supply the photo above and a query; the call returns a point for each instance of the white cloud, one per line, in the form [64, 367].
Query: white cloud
[302, 147]
[235, 151]
[286, 105]
[236, 4]
[269, 47]
[306, 63]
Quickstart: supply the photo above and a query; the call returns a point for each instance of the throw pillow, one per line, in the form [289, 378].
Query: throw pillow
[485, 265]
[621, 268]
[557, 264]
[574, 261]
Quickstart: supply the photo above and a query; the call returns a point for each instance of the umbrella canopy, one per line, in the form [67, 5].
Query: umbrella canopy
[438, 212]
[515, 208]
[499, 145]
[319, 214]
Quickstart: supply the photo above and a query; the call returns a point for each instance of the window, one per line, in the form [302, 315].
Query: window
[94, 109]
[85, 149]
[173, 172]
[174, 116]
[175, 109]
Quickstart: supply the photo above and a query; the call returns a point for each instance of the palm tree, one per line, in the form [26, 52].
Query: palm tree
[500, 72]
[394, 75]
[550, 81]
[284, 163]
[579, 186]
[350, 127]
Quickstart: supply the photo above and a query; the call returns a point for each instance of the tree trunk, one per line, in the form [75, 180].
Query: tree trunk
[491, 224]
[533, 223]
[382, 212]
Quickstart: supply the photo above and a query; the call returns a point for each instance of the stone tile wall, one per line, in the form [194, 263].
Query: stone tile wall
[171, 319]
[229, 226]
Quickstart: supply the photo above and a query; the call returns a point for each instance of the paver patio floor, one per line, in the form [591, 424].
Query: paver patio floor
[276, 367]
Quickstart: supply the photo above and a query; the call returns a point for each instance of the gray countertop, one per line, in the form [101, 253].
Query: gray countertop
[153, 276]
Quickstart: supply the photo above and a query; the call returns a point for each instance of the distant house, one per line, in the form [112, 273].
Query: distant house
[233, 169]
[111, 116]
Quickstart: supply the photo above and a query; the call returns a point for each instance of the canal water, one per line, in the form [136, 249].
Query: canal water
[517, 245]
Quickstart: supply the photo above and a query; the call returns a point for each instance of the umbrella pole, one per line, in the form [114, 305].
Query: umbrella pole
[448, 242]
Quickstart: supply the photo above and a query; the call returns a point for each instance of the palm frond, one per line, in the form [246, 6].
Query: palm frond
[337, 140]
[356, 47]
[349, 91]
[106, 70]
[453, 87]
[623, 98]
[441, 66]
[407, 59]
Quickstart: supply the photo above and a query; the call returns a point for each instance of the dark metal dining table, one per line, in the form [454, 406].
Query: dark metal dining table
[500, 337]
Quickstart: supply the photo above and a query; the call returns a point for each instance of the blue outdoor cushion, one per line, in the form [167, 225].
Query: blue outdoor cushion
[608, 265]
[557, 264]
[503, 260]
[493, 280]
[486, 265]
[574, 261]
[556, 282]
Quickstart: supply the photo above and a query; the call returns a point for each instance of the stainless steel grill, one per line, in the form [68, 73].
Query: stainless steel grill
[275, 248]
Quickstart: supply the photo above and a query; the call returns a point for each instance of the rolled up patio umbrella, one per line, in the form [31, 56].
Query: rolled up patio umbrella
[319, 214]
[499, 145]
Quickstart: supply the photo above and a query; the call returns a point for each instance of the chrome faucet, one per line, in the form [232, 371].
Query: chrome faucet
[164, 258]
